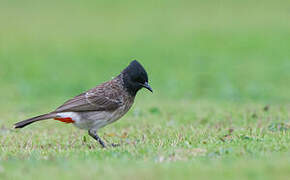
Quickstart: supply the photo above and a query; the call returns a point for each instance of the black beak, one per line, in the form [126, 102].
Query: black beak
[147, 86]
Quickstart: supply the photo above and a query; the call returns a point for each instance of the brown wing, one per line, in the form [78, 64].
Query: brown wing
[102, 98]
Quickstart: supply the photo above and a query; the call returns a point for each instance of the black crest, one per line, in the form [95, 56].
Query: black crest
[134, 77]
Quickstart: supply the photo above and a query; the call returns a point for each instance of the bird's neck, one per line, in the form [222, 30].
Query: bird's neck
[127, 85]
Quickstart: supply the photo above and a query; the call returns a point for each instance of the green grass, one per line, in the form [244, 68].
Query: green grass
[219, 71]
[201, 139]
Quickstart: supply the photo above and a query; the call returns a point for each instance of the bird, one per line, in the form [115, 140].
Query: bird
[101, 105]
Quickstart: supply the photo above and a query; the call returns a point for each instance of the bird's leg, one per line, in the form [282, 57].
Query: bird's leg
[93, 134]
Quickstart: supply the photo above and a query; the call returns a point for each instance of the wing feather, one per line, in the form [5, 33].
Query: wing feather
[101, 98]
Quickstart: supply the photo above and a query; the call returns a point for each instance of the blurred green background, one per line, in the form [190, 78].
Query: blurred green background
[219, 50]
[213, 65]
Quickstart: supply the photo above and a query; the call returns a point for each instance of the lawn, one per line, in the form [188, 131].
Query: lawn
[219, 70]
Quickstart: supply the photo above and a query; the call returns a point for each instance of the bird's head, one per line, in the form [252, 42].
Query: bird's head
[135, 78]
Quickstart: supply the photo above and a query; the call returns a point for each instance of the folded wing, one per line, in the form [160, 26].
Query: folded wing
[96, 99]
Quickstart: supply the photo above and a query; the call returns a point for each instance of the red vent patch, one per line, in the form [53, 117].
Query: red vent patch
[65, 120]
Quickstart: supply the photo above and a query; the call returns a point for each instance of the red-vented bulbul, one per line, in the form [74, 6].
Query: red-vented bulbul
[101, 105]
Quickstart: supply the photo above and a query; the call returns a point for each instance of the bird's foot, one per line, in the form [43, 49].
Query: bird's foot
[115, 145]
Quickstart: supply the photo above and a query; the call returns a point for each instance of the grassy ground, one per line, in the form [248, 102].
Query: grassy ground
[220, 72]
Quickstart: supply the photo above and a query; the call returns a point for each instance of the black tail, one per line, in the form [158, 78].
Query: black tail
[24, 123]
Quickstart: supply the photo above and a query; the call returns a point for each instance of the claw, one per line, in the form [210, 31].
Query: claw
[115, 145]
